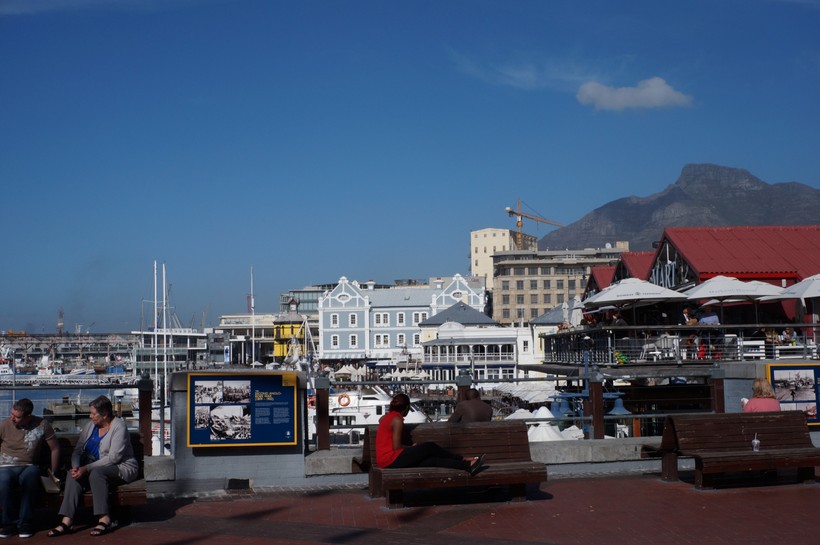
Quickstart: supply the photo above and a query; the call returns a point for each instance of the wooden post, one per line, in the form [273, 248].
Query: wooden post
[145, 389]
[596, 401]
[322, 385]
[716, 386]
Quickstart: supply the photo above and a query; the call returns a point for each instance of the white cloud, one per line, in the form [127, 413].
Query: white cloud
[649, 93]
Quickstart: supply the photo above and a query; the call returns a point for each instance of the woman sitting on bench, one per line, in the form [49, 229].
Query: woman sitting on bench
[392, 453]
[102, 459]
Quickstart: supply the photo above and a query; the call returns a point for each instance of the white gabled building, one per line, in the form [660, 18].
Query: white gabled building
[360, 322]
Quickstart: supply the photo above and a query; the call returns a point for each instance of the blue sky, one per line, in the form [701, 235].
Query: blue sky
[313, 140]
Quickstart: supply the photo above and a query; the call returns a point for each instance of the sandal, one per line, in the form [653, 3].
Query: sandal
[60, 530]
[476, 467]
[103, 528]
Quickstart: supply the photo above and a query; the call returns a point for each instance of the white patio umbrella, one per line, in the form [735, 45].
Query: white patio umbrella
[730, 289]
[808, 288]
[633, 291]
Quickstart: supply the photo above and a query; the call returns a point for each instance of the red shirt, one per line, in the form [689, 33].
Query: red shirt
[385, 453]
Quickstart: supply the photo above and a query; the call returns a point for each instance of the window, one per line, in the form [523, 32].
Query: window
[505, 285]
[505, 299]
[400, 339]
[559, 298]
[381, 319]
[519, 284]
[559, 284]
[400, 318]
[519, 271]
[533, 298]
[334, 341]
[533, 313]
[546, 284]
[351, 320]
[520, 313]
[526, 347]
[532, 271]
[572, 285]
[533, 284]
[354, 341]
[505, 314]
[334, 320]
[419, 317]
[519, 299]
[547, 298]
[416, 339]
[382, 341]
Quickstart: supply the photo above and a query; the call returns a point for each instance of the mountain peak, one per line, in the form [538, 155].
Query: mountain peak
[704, 195]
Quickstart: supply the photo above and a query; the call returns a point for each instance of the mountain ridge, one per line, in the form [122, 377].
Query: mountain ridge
[704, 195]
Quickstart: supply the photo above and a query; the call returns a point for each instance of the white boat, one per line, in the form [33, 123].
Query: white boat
[353, 410]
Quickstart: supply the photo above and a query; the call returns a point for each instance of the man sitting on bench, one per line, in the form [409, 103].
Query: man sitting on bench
[21, 436]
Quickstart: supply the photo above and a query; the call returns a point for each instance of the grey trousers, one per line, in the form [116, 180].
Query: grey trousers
[101, 480]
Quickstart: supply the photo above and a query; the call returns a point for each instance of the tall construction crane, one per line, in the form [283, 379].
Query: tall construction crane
[519, 237]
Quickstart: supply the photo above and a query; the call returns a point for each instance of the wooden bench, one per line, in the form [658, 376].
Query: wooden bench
[722, 443]
[507, 463]
[133, 493]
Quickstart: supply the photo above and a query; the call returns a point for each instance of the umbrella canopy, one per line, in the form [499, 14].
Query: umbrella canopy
[808, 288]
[728, 287]
[633, 290]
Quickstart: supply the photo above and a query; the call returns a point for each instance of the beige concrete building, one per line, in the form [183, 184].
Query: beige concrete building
[527, 284]
[484, 243]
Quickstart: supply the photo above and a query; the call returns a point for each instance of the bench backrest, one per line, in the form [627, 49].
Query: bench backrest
[501, 441]
[735, 431]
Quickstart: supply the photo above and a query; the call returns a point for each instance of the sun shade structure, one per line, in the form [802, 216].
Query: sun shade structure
[727, 287]
[808, 288]
[730, 289]
[631, 291]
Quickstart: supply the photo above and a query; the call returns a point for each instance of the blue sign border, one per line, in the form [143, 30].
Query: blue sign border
[242, 409]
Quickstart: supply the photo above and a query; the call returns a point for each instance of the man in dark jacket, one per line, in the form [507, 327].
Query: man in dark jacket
[472, 409]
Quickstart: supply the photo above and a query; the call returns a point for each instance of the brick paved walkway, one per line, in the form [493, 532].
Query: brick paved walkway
[609, 510]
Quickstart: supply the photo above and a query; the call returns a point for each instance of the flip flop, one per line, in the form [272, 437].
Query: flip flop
[476, 467]
[103, 528]
[61, 529]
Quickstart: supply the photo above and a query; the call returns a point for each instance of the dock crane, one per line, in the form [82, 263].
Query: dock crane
[519, 237]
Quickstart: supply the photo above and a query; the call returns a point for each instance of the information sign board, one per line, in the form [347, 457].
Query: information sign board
[232, 409]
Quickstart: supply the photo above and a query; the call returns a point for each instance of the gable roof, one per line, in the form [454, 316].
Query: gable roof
[638, 264]
[460, 313]
[748, 251]
[603, 275]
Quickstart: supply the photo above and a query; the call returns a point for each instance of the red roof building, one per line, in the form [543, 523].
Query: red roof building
[780, 255]
[599, 278]
[634, 265]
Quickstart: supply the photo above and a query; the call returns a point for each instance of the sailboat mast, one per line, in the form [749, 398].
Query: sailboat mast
[253, 323]
[156, 353]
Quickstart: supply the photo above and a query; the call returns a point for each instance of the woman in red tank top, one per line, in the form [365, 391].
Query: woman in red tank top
[392, 453]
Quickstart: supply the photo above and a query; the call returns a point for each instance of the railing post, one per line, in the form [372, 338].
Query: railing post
[145, 390]
[322, 385]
